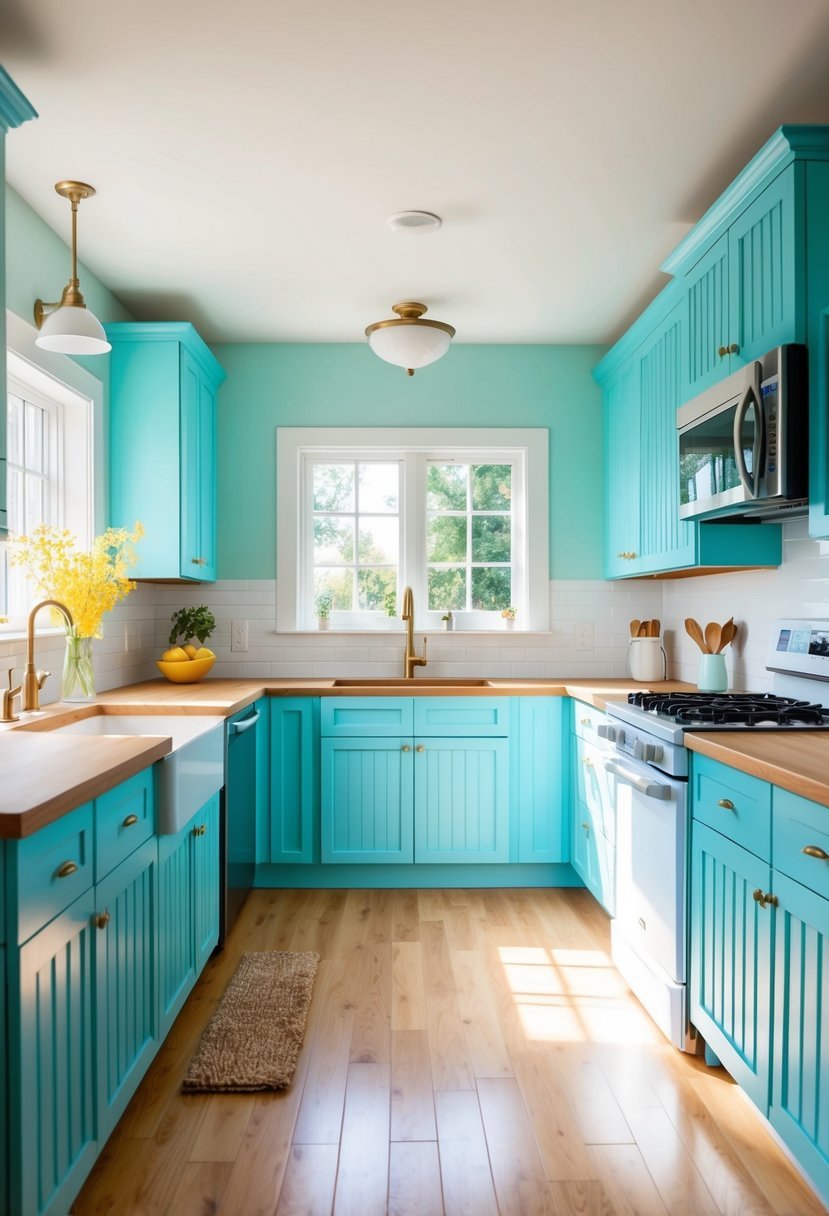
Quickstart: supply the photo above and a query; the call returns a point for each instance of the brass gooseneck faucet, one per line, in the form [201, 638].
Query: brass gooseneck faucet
[410, 659]
[33, 680]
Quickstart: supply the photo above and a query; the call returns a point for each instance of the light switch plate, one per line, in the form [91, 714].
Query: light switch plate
[239, 636]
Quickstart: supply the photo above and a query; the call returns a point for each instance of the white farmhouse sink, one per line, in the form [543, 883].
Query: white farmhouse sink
[191, 773]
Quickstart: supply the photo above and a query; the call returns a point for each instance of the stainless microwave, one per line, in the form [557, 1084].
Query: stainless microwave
[743, 443]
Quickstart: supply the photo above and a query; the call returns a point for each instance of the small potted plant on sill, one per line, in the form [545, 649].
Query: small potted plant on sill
[448, 621]
[390, 603]
[509, 615]
[323, 605]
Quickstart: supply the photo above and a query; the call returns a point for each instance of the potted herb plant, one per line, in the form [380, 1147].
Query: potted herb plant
[185, 662]
[448, 621]
[323, 604]
[509, 615]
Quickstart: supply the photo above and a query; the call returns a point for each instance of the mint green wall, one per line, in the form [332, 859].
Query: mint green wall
[346, 385]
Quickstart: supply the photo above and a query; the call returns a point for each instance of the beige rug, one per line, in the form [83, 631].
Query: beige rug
[253, 1038]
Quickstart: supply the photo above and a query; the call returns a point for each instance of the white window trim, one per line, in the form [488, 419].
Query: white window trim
[295, 444]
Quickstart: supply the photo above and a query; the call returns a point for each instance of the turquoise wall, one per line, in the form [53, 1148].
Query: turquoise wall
[346, 385]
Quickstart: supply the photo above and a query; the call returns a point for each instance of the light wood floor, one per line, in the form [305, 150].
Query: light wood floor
[468, 1052]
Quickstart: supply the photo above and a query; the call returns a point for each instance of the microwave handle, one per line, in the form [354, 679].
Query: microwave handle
[752, 390]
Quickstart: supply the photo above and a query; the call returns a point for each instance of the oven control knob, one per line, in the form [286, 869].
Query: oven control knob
[611, 733]
[649, 752]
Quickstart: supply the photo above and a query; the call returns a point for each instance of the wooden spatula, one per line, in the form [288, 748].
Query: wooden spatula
[694, 631]
[729, 631]
[713, 637]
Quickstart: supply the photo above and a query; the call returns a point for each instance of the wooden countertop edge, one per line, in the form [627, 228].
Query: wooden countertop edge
[730, 749]
[99, 770]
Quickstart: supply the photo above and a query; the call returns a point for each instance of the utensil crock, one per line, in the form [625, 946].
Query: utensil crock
[646, 660]
[712, 676]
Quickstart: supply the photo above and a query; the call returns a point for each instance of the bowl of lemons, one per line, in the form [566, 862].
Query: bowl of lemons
[191, 660]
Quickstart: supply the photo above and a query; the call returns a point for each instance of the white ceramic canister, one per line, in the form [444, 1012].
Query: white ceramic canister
[646, 660]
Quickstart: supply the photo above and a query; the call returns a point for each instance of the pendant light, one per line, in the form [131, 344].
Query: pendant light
[408, 340]
[68, 327]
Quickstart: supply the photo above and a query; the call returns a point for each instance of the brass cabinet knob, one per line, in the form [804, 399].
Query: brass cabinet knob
[129, 821]
[102, 920]
[587, 762]
[584, 721]
[726, 804]
[765, 899]
[405, 748]
[420, 748]
[733, 348]
[68, 867]
[200, 829]
[586, 827]
[198, 561]
[814, 850]
[722, 351]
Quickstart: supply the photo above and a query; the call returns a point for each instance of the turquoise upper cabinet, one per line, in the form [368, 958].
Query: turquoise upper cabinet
[741, 297]
[14, 110]
[621, 452]
[163, 387]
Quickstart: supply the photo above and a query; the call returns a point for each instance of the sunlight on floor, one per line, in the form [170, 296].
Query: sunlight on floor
[573, 996]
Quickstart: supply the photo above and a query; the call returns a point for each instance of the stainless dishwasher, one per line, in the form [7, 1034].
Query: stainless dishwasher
[244, 744]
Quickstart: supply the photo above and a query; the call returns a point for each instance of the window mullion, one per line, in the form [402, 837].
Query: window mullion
[413, 551]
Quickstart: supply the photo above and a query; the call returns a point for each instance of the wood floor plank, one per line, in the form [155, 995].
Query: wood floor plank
[451, 1065]
[626, 1179]
[414, 1180]
[310, 1177]
[408, 1004]
[201, 1189]
[596, 1110]
[517, 1169]
[222, 1128]
[679, 1182]
[581, 1199]
[320, 1116]
[560, 1143]
[363, 1173]
[412, 1096]
[468, 1189]
[482, 1031]
[405, 916]
[371, 1038]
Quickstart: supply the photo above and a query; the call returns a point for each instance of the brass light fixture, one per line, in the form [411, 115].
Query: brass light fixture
[408, 340]
[68, 327]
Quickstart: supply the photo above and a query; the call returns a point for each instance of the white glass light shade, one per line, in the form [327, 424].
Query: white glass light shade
[73, 331]
[409, 343]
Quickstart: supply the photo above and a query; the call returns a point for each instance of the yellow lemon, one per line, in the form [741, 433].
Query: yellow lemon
[204, 653]
[191, 651]
[175, 655]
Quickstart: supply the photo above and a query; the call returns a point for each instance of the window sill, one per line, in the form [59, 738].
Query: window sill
[20, 635]
[401, 633]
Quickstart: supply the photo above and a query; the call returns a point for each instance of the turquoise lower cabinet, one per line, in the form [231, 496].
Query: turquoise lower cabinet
[539, 778]
[366, 798]
[800, 1083]
[594, 858]
[126, 980]
[4, 1084]
[294, 781]
[188, 908]
[461, 800]
[52, 1130]
[731, 938]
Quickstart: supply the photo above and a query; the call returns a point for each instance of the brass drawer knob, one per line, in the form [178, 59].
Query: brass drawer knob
[405, 748]
[726, 804]
[814, 850]
[765, 899]
[68, 867]
[102, 920]
[130, 821]
[584, 721]
[420, 748]
[200, 829]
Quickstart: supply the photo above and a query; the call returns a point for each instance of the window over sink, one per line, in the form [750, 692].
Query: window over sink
[460, 515]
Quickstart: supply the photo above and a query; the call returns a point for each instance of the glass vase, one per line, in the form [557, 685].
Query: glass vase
[78, 683]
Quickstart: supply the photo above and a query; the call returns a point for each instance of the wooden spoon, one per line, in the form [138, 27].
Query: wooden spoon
[729, 630]
[713, 637]
[634, 628]
[643, 629]
[693, 630]
[656, 627]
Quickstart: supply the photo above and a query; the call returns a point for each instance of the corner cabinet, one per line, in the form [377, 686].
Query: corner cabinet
[163, 387]
[759, 976]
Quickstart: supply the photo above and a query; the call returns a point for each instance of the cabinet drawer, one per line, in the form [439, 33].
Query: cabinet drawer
[799, 824]
[360, 717]
[52, 869]
[734, 804]
[586, 720]
[124, 819]
[478, 716]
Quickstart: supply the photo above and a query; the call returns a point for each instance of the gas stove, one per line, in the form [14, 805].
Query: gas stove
[732, 711]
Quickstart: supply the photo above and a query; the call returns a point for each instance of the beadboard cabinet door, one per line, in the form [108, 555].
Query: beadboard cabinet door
[53, 1142]
[366, 797]
[126, 981]
[800, 1087]
[204, 834]
[621, 473]
[176, 924]
[461, 800]
[731, 936]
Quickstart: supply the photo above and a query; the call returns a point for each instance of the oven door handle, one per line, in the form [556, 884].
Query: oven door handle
[651, 789]
[751, 485]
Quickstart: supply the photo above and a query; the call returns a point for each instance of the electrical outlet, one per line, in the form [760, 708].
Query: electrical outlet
[239, 636]
[584, 636]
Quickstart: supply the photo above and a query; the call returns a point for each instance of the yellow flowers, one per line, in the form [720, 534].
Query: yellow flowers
[89, 583]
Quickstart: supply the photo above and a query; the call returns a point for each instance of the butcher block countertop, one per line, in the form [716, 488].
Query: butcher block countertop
[796, 760]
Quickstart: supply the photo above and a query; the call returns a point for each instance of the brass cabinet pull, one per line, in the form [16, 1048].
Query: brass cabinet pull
[129, 821]
[198, 561]
[102, 920]
[68, 867]
[627, 554]
[584, 721]
[587, 761]
[814, 850]
[726, 804]
[586, 827]
[405, 748]
[200, 829]
[420, 748]
[765, 899]
[733, 348]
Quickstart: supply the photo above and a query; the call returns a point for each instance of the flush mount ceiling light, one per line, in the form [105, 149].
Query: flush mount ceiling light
[408, 340]
[68, 327]
[414, 221]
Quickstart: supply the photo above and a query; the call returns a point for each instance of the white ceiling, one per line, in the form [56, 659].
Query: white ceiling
[247, 155]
